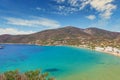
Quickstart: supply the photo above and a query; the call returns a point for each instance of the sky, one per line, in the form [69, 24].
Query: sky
[30, 16]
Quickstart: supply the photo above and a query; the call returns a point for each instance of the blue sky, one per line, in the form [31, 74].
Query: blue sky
[29, 16]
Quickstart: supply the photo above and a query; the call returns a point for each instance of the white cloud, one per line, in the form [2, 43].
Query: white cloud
[34, 22]
[63, 9]
[91, 17]
[60, 1]
[73, 2]
[13, 31]
[105, 7]
[40, 9]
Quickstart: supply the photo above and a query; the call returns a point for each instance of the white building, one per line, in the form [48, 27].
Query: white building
[99, 48]
[109, 49]
[116, 50]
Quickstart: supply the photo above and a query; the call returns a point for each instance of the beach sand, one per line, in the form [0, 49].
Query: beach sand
[103, 51]
[112, 53]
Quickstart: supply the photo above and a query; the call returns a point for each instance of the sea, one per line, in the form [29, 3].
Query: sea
[62, 62]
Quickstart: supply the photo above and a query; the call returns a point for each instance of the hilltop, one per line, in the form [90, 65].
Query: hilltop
[66, 36]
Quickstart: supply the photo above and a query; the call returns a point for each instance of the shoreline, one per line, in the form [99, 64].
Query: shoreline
[81, 46]
[112, 53]
[103, 51]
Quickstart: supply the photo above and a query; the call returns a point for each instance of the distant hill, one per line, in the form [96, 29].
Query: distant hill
[102, 33]
[64, 36]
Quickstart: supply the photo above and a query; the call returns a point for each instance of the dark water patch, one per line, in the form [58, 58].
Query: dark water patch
[51, 70]
[22, 57]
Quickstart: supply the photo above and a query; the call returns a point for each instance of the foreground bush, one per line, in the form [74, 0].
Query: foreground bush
[29, 75]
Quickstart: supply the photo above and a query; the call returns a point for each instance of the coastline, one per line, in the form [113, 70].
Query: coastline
[99, 49]
[112, 53]
[99, 71]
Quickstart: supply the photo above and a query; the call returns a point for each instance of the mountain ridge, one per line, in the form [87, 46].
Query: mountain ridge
[69, 35]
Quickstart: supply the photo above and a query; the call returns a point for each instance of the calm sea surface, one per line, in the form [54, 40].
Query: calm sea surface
[64, 63]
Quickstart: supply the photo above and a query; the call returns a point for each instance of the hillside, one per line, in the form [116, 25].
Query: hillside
[102, 33]
[65, 36]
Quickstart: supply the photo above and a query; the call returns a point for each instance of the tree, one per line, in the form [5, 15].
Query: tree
[29, 75]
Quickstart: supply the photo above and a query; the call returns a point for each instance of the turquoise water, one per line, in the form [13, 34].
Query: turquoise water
[60, 61]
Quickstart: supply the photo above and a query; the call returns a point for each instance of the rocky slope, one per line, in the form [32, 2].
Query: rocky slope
[64, 36]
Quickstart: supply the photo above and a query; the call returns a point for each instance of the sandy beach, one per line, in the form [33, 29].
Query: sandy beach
[112, 53]
[107, 50]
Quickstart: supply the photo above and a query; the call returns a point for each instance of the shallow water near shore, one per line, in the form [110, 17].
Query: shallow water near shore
[63, 62]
